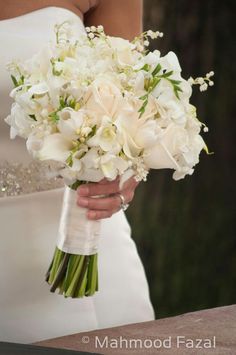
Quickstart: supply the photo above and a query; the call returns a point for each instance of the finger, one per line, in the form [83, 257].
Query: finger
[105, 180]
[128, 195]
[94, 215]
[96, 189]
[110, 203]
[131, 183]
[105, 203]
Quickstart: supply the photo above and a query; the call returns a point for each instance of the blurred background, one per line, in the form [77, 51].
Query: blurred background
[184, 230]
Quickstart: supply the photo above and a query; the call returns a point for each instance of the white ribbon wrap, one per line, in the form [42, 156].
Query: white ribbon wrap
[77, 234]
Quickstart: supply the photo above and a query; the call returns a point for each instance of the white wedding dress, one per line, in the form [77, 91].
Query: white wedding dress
[30, 207]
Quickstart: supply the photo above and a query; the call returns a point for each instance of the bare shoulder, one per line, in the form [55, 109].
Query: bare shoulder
[14, 8]
[119, 18]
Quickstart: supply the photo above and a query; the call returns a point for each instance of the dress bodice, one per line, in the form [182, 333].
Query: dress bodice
[20, 38]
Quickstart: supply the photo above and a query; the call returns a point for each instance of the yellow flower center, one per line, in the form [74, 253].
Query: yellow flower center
[108, 133]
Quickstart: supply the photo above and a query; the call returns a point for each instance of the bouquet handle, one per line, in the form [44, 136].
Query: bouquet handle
[74, 269]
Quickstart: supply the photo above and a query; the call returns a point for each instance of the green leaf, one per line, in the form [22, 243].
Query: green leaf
[176, 94]
[156, 81]
[176, 91]
[179, 89]
[92, 133]
[175, 82]
[69, 160]
[142, 108]
[72, 103]
[33, 117]
[147, 83]
[167, 74]
[62, 102]
[54, 116]
[144, 97]
[157, 69]
[54, 71]
[15, 82]
[146, 67]
[22, 79]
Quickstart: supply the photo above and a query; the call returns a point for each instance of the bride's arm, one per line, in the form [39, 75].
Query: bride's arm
[122, 18]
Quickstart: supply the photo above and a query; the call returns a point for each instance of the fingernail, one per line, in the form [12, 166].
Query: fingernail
[83, 202]
[92, 214]
[83, 190]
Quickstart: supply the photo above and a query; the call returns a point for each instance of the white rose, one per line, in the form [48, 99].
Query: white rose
[173, 141]
[182, 172]
[176, 150]
[148, 134]
[137, 133]
[191, 156]
[104, 98]
[152, 108]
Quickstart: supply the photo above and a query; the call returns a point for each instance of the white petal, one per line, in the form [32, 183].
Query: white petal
[93, 175]
[159, 157]
[55, 147]
[39, 89]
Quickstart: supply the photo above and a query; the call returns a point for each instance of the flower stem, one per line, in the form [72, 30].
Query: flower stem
[73, 275]
[60, 272]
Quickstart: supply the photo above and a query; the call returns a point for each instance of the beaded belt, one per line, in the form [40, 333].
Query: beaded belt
[19, 179]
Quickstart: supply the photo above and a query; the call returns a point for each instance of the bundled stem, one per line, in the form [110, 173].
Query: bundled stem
[73, 275]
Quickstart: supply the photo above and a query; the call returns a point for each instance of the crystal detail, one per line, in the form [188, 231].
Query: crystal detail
[19, 179]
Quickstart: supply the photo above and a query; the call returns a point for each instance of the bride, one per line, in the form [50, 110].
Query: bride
[30, 201]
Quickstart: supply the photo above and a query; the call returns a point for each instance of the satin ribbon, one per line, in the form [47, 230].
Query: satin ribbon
[77, 234]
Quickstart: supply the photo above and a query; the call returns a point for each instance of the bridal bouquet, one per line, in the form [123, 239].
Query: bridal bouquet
[102, 107]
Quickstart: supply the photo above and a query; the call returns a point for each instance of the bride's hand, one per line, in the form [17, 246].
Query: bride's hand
[104, 207]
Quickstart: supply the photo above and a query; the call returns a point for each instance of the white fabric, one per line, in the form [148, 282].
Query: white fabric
[77, 234]
[29, 226]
